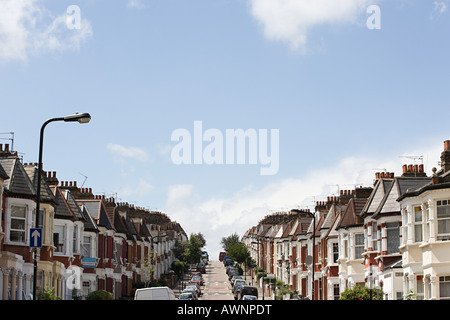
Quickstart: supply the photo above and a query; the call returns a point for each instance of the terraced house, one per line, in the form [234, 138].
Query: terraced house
[393, 236]
[89, 242]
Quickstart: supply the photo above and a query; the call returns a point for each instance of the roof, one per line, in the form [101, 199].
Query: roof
[18, 183]
[377, 195]
[46, 192]
[66, 206]
[400, 185]
[98, 212]
[351, 215]
[3, 174]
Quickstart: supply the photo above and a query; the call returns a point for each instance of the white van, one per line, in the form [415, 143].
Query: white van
[155, 293]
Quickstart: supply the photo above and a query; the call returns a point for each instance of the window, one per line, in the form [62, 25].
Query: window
[419, 288]
[359, 245]
[393, 237]
[75, 239]
[87, 247]
[18, 224]
[443, 219]
[336, 292]
[374, 236]
[427, 221]
[444, 288]
[418, 224]
[59, 238]
[335, 252]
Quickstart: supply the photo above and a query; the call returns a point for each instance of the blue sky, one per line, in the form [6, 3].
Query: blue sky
[346, 100]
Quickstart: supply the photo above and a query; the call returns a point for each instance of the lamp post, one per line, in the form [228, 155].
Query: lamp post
[314, 251]
[79, 117]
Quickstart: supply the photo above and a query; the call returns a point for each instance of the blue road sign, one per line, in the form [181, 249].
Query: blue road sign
[35, 237]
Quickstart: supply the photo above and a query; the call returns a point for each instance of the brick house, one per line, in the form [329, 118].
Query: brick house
[425, 241]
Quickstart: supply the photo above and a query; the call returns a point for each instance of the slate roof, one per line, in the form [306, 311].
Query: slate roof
[19, 183]
[3, 174]
[400, 185]
[97, 211]
[66, 205]
[376, 197]
[46, 192]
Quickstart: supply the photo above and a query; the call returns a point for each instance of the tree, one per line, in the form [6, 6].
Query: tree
[239, 253]
[227, 242]
[201, 237]
[193, 250]
[361, 293]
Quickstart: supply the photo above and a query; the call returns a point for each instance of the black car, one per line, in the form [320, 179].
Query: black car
[249, 291]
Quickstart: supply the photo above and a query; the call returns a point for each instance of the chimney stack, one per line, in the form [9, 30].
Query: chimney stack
[445, 157]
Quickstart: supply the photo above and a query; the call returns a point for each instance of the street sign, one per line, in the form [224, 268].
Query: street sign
[88, 263]
[35, 237]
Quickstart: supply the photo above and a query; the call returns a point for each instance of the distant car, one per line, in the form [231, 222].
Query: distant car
[197, 278]
[191, 289]
[196, 288]
[201, 268]
[222, 255]
[249, 297]
[187, 295]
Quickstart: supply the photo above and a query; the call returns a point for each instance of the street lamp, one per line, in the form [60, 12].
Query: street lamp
[314, 251]
[81, 118]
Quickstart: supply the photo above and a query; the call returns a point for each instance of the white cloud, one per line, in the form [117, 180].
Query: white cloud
[142, 188]
[219, 217]
[121, 153]
[136, 4]
[27, 28]
[291, 20]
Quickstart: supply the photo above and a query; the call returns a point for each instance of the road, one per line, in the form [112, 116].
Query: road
[217, 286]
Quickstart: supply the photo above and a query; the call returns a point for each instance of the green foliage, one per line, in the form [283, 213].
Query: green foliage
[99, 295]
[361, 293]
[48, 294]
[179, 267]
[193, 250]
[239, 253]
[227, 242]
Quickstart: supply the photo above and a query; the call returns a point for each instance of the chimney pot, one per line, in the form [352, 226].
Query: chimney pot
[410, 168]
[446, 145]
[405, 168]
[6, 147]
[421, 168]
[377, 175]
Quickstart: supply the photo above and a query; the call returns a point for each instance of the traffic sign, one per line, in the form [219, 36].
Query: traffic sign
[35, 237]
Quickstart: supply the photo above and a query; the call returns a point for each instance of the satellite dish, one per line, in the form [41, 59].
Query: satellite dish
[308, 260]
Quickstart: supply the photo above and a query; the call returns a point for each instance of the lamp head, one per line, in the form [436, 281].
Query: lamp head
[80, 117]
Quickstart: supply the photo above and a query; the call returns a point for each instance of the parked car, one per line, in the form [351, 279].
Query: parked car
[229, 269]
[155, 293]
[190, 290]
[222, 255]
[197, 278]
[228, 261]
[187, 295]
[248, 290]
[233, 274]
[196, 288]
[201, 268]
[238, 281]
